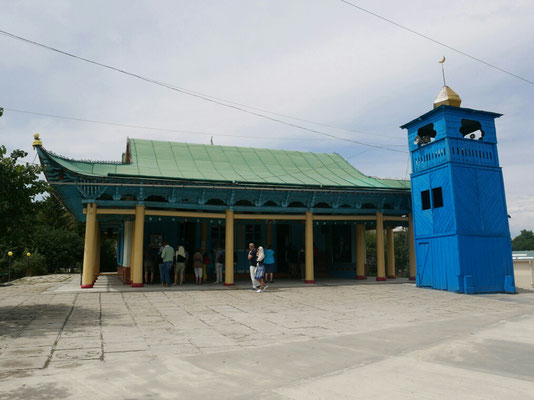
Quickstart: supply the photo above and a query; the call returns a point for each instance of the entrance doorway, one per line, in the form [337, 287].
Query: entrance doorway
[282, 248]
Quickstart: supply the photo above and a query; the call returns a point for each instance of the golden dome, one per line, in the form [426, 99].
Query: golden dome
[448, 97]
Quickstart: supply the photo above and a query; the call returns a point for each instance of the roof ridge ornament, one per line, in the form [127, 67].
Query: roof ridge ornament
[37, 140]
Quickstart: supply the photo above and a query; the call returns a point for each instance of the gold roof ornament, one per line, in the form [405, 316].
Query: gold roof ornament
[447, 97]
[36, 140]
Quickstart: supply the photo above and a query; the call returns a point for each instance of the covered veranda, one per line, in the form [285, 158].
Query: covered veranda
[216, 196]
[133, 241]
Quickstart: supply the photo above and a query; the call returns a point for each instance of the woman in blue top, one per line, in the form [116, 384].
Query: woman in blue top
[269, 264]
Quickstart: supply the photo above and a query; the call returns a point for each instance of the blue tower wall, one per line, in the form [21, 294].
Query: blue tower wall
[462, 238]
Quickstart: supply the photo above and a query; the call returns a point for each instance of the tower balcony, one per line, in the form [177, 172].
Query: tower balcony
[473, 152]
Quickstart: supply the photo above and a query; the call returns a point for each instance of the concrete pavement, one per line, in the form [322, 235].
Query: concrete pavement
[335, 340]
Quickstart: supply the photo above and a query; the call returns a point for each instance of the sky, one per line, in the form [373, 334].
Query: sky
[320, 61]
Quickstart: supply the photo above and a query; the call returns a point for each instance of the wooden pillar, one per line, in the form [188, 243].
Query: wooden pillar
[269, 233]
[380, 261]
[229, 249]
[127, 246]
[391, 252]
[98, 244]
[360, 251]
[204, 245]
[136, 272]
[308, 276]
[89, 247]
[411, 248]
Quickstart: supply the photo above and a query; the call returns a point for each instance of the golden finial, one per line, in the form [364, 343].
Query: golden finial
[446, 96]
[37, 140]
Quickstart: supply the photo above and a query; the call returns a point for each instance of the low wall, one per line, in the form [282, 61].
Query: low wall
[522, 272]
[124, 274]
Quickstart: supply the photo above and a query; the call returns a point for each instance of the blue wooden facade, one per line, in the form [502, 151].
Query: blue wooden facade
[462, 237]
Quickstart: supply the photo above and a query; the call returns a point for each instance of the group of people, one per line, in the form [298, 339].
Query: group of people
[261, 266]
[201, 259]
[165, 258]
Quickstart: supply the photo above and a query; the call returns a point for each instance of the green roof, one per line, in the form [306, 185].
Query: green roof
[198, 162]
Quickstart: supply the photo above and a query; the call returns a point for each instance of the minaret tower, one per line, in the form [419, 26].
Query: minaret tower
[462, 237]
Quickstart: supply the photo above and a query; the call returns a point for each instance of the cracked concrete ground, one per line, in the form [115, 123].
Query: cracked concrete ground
[335, 340]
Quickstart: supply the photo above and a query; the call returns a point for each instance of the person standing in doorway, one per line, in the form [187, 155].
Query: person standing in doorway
[181, 258]
[197, 266]
[253, 260]
[218, 265]
[160, 264]
[269, 264]
[167, 255]
[260, 269]
[206, 261]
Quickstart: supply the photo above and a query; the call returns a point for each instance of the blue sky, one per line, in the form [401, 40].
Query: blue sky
[317, 60]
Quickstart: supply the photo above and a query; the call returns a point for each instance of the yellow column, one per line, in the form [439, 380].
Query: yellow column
[97, 250]
[204, 245]
[132, 245]
[89, 248]
[308, 276]
[136, 273]
[391, 252]
[380, 262]
[229, 249]
[360, 251]
[411, 248]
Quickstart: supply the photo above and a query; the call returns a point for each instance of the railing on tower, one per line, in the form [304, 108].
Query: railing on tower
[472, 151]
[457, 150]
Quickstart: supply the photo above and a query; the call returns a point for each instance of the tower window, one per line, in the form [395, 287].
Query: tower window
[425, 199]
[471, 129]
[425, 135]
[437, 197]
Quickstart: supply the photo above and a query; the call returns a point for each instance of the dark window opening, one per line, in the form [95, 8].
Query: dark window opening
[341, 244]
[437, 197]
[215, 202]
[270, 203]
[217, 236]
[297, 204]
[425, 135]
[368, 206]
[159, 199]
[244, 203]
[425, 199]
[253, 234]
[471, 129]
[321, 205]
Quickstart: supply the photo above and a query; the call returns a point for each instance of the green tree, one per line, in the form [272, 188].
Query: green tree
[525, 241]
[401, 253]
[20, 185]
[44, 227]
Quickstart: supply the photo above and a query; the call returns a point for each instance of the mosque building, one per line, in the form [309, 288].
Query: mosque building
[312, 206]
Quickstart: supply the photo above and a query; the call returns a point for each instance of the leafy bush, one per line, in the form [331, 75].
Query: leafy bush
[29, 266]
[61, 248]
